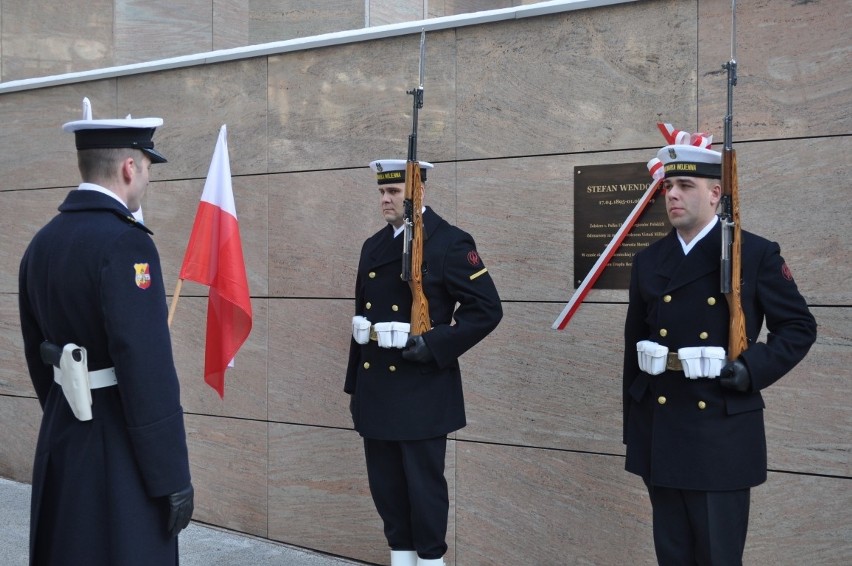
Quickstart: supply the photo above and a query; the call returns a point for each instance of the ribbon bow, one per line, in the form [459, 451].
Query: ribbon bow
[677, 137]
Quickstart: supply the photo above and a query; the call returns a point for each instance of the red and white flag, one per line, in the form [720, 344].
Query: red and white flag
[214, 257]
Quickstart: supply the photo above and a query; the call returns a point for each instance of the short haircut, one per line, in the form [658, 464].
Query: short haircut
[102, 164]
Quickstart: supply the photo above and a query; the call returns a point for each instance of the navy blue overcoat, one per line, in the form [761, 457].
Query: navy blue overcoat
[395, 399]
[694, 434]
[92, 276]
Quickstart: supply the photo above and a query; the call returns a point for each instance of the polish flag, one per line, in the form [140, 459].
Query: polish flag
[214, 257]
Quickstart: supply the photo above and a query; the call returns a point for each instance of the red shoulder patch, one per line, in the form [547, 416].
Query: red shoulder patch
[785, 271]
[473, 258]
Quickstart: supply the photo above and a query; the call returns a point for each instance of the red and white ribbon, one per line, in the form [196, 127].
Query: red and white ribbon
[680, 137]
[655, 167]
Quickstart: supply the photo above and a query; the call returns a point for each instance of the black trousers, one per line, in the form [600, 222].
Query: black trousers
[707, 528]
[410, 492]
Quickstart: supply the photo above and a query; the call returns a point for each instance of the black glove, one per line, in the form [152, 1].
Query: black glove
[416, 350]
[180, 510]
[735, 376]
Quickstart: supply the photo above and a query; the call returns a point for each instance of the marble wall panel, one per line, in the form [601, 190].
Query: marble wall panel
[791, 191]
[228, 463]
[519, 505]
[319, 497]
[245, 383]
[36, 152]
[808, 419]
[14, 376]
[521, 212]
[231, 23]
[341, 107]
[530, 506]
[794, 77]
[277, 20]
[384, 12]
[42, 37]
[308, 352]
[318, 222]
[194, 103]
[146, 30]
[529, 385]
[20, 419]
[23, 213]
[579, 81]
[800, 519]
[320, 473]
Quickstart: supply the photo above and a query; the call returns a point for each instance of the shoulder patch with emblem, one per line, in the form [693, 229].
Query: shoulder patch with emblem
[475, 261]
[143, 275]
[785, 271]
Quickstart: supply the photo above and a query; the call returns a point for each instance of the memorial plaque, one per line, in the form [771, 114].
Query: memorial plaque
[604, 196]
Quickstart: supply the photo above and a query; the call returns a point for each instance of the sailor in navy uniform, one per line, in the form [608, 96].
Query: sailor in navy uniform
[693, 422]
[406, 391]
[115, 487]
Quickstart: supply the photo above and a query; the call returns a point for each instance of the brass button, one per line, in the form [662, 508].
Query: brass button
[392, 368]
[663, 332]
[667, 299]
[366, 365]
[372, 275]
[394, 308]
[702, 405]
[369, 305]
[661, 400]
[711, 301]
[703, 335]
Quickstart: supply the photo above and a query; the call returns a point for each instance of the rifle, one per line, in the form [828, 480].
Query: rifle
[731, 261]
[412, 253]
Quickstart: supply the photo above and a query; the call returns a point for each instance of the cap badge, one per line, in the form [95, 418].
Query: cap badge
[143, 275]
[379, 167]
[672, 153]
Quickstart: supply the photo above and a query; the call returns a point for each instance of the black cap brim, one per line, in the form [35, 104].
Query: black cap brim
[154, 155]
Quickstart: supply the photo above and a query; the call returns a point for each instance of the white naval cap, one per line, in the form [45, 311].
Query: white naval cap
[690, 161]
[393, 170]
[134, 133]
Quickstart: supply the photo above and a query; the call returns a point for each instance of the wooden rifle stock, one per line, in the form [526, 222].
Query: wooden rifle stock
[737, 338]
[420, 322]
[412, 269]
[731, 266]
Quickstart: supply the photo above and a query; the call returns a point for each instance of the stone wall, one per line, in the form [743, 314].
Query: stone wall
[511, 108]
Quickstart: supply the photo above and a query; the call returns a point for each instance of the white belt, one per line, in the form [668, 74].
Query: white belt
[97, 379]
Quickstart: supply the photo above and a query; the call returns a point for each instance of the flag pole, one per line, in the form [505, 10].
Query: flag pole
[173, 306]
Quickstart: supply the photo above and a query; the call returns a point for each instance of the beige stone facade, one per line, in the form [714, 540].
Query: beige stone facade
[511, 107]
